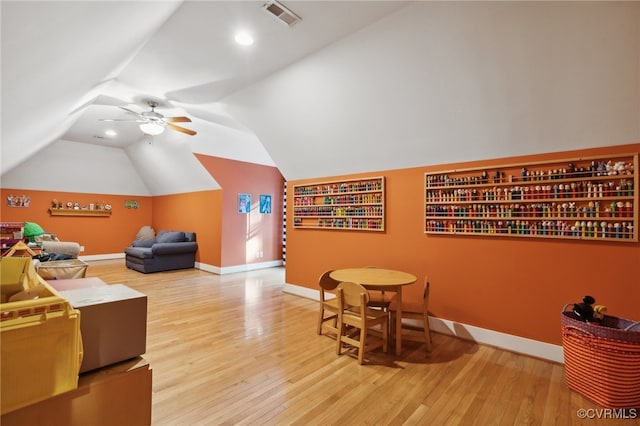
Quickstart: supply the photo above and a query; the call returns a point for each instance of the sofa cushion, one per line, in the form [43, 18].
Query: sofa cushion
[170, 237]
[146, 233]
[139, 252]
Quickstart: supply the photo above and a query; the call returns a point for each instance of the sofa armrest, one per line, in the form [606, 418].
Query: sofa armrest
[171, 248]
[143, 243]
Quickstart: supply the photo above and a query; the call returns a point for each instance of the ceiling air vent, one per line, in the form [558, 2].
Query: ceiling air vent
[282, 13]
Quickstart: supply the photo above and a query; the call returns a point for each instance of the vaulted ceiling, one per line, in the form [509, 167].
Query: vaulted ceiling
[67, 65]
[355, 86]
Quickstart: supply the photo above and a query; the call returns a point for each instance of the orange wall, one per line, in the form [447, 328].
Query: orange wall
[245, 234]
[99, 235]
[203, 212]
[512, 285]
[197, 212]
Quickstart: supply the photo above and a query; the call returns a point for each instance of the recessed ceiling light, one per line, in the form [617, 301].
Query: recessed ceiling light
[110, 133]
[244, 39]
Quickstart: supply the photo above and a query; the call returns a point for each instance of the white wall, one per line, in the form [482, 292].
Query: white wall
[53, 53]
[167, 165]
[440, 82]
[77, 167]
[159, 165]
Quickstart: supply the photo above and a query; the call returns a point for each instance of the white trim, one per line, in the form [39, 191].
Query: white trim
[509, 342]
[500, 340]
[198, 265]
[297, 290]
[208, 268]
[238, 268]
[107, 256]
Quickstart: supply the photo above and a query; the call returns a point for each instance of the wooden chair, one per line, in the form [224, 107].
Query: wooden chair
[353, 312]
[414, 311]
[379, 298]
[327, 284]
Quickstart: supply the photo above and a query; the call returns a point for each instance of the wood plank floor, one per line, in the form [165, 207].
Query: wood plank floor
[235, 349]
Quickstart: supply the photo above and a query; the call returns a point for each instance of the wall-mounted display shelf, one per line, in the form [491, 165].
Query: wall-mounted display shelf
[73, 212]
[591, 198]
[10, 233]
[356, 204]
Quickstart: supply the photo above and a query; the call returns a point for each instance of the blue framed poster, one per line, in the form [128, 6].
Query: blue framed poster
[265, 204]
[244, 203]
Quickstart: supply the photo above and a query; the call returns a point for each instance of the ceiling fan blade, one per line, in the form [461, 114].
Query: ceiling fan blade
[181, 129]
[122, 119]
[178, 119]
[131, 111]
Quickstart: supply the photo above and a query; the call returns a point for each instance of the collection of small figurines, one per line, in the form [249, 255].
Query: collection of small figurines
[98, 205]
[595, 169]
[18, 200]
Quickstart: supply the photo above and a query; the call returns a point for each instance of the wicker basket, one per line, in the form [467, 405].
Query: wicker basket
[602, 362]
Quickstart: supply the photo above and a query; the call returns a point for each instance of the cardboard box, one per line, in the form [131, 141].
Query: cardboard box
[74, 283]
[113, 323]
[116, 395]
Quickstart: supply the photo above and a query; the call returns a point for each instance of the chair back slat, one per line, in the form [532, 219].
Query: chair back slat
[353, 294]
[326, 282]
[352, 311]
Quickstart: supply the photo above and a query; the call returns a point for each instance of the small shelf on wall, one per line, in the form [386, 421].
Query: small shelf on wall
[72, 212]
[590, 198]
[353, 205]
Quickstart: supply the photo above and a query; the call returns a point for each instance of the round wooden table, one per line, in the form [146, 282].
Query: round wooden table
[380, 279]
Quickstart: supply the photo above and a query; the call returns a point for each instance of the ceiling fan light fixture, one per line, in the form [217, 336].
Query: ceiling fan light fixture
[244, 39]
[152, 129]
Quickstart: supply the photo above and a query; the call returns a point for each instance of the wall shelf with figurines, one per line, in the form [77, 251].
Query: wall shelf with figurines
[98, 209]
[354, 204]
[591, 198]
[18, 200]
[64, 212]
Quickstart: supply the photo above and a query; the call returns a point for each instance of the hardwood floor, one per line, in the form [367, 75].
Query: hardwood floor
[235, 349]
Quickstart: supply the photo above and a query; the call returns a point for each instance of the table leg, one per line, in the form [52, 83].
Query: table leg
[398, 336]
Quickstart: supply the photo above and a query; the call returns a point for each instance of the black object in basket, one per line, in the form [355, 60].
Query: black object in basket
[602, 362]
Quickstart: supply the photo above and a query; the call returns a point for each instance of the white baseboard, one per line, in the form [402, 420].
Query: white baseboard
[205, 267]
[297, 290]
[208, 268]
[238, 268]
[500, 340]
[108, 256]
[509, 342]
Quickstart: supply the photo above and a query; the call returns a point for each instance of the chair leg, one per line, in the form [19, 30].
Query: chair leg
[363, 340]
[385, 337]
[427, 332]
[339, 338]
[320, 319]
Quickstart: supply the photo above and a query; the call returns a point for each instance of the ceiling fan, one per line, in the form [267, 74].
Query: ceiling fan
[153, 123]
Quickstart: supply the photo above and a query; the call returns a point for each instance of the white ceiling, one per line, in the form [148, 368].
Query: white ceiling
[66, 65]
[355, 87]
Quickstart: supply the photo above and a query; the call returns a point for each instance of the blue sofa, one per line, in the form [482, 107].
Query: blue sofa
[170, 250]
